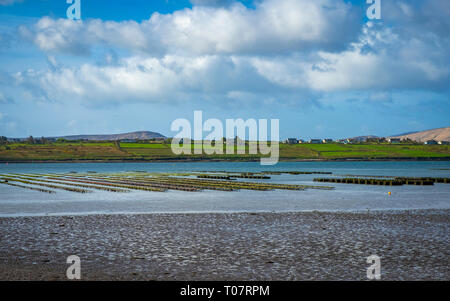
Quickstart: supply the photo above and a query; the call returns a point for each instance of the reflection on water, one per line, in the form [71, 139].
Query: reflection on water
[346, 197]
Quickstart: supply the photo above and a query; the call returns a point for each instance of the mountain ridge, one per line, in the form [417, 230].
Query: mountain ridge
[438, 134]
[138, 135]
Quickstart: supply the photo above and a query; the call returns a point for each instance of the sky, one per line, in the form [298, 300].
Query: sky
[321, 67]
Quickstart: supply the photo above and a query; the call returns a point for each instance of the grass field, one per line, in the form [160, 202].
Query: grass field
[109, 151]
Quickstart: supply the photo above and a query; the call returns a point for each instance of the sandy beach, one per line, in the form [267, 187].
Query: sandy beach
[413, 245]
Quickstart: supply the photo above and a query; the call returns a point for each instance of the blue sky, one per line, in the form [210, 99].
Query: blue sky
[321, 67]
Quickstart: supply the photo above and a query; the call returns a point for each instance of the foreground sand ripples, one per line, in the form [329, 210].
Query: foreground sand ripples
[412, 245]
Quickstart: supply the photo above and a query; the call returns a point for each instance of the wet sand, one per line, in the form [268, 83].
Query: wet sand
[413, 245]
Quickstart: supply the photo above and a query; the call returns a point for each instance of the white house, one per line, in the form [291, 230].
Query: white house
[394, 140]
[315, 141]
[291, 141]
[431, 142]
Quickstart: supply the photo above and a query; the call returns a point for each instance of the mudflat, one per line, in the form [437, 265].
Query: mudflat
[412, 245]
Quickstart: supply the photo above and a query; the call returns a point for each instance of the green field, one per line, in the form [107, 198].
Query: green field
[110, 151]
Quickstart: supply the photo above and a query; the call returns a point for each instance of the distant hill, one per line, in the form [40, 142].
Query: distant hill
[141, 135]
[404, 134]
[441, 134]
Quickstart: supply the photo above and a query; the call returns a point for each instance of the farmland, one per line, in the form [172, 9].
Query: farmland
[110, 151]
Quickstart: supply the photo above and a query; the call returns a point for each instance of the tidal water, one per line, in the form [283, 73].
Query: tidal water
[345, 197]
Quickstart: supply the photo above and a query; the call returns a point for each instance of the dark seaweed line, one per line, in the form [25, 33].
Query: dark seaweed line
[132, 181]
[179, 185]
[28, 187]
[46, 185]
[66, 182]
[367, 181]
[105, 182]
[247, 185]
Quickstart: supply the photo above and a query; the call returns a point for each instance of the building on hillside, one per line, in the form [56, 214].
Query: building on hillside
[185, 140]
[394, 140]
[291, 141]
[128, 140]
[235, 141]
[349, 140]
[444, 142]
[431, 142]
[315, 141]
[14, 140]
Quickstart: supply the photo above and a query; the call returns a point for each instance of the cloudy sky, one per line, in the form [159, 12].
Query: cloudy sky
[321, 67]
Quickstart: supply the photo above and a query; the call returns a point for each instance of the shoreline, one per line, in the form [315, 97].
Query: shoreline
[249, 212]
[406, 159]
[412, 244]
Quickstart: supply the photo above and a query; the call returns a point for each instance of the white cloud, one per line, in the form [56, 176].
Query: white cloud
[419, 16]
[274, 26]
[381, 60]
[285, 50]
[140, 79]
